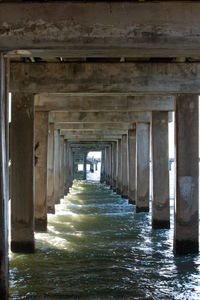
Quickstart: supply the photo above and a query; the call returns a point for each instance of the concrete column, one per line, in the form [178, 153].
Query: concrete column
[119, 166]
[114, 165]
[71, 166]
[66, 171]
[4, 189]
[56, 166]
[187, 174]
[108, 165]
[124, 155]
[132, 166]
[61, 166]
[142, 160]
[41, 142]
[50, 170]
[96, 168]
[84, 166]
[22, 173]
[91, 168]
[159, 140]
[102, 179]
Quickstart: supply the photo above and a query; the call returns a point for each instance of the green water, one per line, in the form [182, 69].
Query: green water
[97, 247]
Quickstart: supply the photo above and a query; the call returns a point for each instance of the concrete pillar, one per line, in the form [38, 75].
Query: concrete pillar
[102, 179]
[124, 155]
[160, 172]
[50, 171]
[119, 166]
[114, 165]
[41, 142]
[187, 174]
[108, 165]
[132, 166]
[4, 190]
[142, 160]
[71, 166]
[66, 168]
[84, 166]
[56, 166]
[96, 168]
[22, 173]
[61, 166]
[91, 168]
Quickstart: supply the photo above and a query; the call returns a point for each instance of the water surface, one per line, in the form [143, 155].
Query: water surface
[97, 247]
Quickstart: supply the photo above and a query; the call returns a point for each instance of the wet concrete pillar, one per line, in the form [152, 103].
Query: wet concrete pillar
[56, 166]
[132, 165]
[114, 165]
[119, 166]
[187, 174]
[41, 142]
[84, 166]
[142, 161]
[50, 170]
[66, 168]
[91, 168]
[102, 178]
[96, 167]
[22, 173]
[71, 166]
[124, 166]
[61, 166]
[160, 172]
[4, 194]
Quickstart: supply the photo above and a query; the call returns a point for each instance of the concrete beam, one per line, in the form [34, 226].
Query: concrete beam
[99, 117]
[49, 102]
[94, 126]
[92, 132]
[105, 78]
[94, 136]
[101, 28]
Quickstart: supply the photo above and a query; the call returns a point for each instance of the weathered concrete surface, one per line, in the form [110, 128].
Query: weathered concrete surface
[49, 102]
[102, 78]
[124, 166]
[61, 167]
[114, 165]
[94, 126]
[56, 166]
[4, 188]
[108, 165]
[85, 166]
[50, 171]
[132, 166]
[142, 161]
[97, 137]
[187, 172]
[22, 173]
[101, 28]
[41, 140]
[119, 166]
[99, 117]
[159, 146]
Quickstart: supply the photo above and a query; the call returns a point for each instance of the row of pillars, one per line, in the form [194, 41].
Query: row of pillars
[126, 168]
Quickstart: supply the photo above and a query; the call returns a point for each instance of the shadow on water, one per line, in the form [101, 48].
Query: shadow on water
[97, 247]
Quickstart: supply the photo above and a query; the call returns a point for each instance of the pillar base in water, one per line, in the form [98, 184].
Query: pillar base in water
[186, 247]
[40, 225]
[142, 209]
[160, 224]
[124, 196]
[51, 210]
[131, 201]
[118, 191]
[23, 247]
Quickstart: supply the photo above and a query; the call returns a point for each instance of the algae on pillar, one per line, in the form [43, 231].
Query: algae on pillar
[132, 166]
[160, 172]
[41, 144]
[22, 173]
[187, 174]
[142, 161]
